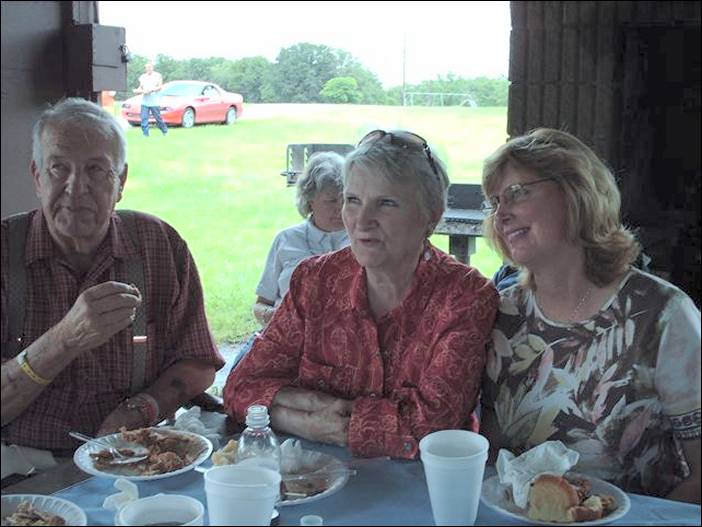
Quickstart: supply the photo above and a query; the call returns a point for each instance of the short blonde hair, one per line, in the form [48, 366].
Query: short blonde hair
[592, 199]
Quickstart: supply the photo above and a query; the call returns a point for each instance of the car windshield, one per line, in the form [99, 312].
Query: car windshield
[182, 89]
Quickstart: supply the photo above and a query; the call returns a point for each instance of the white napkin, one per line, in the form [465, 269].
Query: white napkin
[128, 492]
[291, 456]
[24, 460]
[208, 424]
[518, 472]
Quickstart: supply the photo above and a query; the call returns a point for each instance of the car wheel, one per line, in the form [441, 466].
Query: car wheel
[188, 120]
[134, 123]
[230, 116]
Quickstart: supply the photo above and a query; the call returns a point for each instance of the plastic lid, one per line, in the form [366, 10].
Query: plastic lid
[311, 519]
[257, 416]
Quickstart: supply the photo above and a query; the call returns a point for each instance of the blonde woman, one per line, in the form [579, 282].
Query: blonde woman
[587, 349]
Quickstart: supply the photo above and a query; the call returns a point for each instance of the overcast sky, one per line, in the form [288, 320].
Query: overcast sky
[466, 38]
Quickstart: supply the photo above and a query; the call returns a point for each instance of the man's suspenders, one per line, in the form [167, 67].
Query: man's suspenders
[135, 275]
[17, 228]
[16, 281]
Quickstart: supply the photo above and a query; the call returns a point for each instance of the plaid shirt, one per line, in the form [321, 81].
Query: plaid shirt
[416, 370]
[87, 390]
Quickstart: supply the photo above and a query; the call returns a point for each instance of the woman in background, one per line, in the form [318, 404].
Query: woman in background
[319, 201]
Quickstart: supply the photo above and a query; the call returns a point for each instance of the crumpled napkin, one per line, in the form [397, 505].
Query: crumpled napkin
[295, 460]
[291, 456]
[24, 460]
[208, 424]
[518, 472]
[128, 492]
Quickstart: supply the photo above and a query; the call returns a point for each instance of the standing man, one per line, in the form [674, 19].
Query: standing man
[150, 84]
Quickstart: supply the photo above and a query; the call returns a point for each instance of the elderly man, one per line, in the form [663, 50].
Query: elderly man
[80, 359]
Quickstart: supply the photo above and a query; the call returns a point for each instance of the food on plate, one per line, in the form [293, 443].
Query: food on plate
[26, 514]
[168, 451]
[304, 488]
[226, 455]
[566, 499]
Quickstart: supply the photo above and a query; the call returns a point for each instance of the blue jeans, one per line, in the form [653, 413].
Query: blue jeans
[245, 348]
[156, 112]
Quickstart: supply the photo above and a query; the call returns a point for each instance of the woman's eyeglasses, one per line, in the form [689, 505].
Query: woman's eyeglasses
[513, 194]
[403, 139]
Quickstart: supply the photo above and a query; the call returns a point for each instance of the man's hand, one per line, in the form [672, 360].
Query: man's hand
[121, 417]
[99, 313]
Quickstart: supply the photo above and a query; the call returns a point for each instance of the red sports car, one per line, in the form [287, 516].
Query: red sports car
[188, 103]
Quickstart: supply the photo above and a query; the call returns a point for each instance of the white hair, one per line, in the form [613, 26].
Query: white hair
[322, 172]
[86, 115]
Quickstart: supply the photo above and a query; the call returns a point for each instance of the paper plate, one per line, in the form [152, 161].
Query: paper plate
[82, 459]
[495, 496]
[71, 513]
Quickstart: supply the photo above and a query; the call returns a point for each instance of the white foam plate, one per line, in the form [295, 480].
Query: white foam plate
[83, 460]
[495, 496]
[336, 482]
[70, 512]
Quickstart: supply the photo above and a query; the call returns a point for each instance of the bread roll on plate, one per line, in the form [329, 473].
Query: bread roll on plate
[556, 499]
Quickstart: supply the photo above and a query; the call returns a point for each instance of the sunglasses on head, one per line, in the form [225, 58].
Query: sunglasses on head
[404, 139]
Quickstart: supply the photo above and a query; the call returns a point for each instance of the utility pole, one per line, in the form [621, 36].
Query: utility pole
[404, 67]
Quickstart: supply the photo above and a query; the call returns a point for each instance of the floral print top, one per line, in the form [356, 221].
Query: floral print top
[622, 388]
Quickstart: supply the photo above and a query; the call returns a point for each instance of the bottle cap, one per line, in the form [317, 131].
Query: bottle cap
[257, 416]
[311, 519]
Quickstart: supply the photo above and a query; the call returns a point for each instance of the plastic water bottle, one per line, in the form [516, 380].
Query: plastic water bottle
[258, 442]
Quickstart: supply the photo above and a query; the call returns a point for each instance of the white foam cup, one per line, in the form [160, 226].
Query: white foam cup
[241, 495]
[162, 509]
[454, 463]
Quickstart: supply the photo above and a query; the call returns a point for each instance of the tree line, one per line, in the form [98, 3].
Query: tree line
[311, 73]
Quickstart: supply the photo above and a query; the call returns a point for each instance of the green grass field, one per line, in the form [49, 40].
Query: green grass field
[220, 187]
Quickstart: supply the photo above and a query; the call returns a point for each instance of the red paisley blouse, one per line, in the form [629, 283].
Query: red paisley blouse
[414, 371]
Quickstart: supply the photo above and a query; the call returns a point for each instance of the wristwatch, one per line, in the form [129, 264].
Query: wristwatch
[142, 406]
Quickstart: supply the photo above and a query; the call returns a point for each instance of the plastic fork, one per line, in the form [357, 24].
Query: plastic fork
[350, 467]
[118, 458]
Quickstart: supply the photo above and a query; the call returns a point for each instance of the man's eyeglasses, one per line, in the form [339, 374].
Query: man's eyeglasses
[512, 194]
[403, 139]
[97, 173]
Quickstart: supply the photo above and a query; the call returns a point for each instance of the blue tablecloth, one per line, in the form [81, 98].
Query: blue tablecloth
[388, 492]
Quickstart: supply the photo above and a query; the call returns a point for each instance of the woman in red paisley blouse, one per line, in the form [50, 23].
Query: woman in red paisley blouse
[378, 344]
